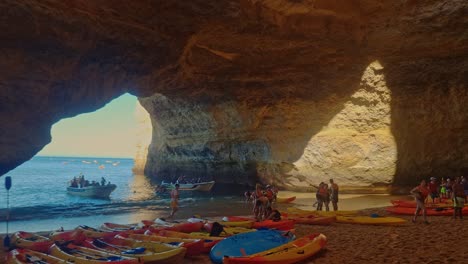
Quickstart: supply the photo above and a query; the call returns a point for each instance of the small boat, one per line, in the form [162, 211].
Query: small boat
[118, 227]
[200, 186]
[158, 253]
[285, 199]
[249, 243]
[194, 246]
[31, 241]
[175, 252]
[92, 191]
[82, 255]
[90, 232]
[292, 252]
[26, 256]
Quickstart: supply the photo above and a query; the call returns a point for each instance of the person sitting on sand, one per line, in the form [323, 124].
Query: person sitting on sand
[433, 187]
[458, 198]
[273, 214]
[174, 200]
[420, 194]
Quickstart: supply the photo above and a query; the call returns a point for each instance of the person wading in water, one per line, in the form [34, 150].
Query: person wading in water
[174, 200]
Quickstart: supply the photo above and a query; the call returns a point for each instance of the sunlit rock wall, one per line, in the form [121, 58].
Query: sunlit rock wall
[143, 137]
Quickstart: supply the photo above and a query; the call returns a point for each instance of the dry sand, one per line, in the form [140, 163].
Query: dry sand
[442, 241]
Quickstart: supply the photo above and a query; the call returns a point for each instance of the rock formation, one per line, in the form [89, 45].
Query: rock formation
[288, 92]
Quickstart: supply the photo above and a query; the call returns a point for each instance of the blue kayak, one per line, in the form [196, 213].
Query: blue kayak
[249, 243]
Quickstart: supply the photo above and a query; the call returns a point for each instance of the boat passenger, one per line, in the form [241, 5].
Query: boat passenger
[103, 181]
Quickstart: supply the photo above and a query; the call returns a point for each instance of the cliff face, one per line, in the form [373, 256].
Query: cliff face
[285, 92]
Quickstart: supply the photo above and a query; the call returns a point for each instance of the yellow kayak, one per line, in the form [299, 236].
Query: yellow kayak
[82, 255]
[298, 211]
[367, 220]
[285, 199]
[292, 252]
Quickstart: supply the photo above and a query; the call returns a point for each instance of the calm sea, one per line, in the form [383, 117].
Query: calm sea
[38, 199]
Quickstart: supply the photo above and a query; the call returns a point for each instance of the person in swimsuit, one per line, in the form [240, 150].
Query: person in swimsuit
[420, 194]
[433, 187]
[174, 200]
[334, 194]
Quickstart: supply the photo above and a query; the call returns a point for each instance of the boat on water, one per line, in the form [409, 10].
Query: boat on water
[92, 191]
[199, 186]
[81, 187]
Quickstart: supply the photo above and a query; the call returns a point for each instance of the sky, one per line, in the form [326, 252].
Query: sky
[108, 132]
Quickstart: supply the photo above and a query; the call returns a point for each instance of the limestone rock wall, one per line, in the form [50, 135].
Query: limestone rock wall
[279, 91]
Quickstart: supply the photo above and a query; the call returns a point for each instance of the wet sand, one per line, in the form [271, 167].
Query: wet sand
[442, 241]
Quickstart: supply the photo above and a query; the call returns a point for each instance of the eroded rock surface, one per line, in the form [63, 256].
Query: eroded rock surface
[289, 92]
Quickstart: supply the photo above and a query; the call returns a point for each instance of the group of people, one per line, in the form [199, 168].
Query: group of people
[80, 182]
[263, 198]
[326, 194]
[456, 190]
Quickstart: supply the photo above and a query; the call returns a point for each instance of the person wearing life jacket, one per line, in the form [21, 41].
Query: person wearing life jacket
[420, 194]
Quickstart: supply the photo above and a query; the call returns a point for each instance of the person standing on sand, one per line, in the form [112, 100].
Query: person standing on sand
[334, 194]
[433, 186]
[458, 198]
[420, 194]
[174, 200]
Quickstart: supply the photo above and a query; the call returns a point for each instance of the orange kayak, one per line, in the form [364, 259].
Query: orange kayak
[310, 220]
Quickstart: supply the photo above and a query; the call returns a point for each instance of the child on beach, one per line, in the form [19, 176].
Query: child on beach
[420, 194]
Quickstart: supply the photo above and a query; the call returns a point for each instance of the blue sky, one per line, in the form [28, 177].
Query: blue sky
[107, 132]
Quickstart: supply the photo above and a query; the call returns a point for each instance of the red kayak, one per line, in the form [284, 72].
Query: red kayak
[280, 225]
[186, 227]
[310, 220]
[31, 241]
[430, 211]
[412, 204]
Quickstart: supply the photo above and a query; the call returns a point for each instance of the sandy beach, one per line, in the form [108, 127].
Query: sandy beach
[442, 241]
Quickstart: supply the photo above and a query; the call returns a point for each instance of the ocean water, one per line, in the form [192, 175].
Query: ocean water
[38, 199]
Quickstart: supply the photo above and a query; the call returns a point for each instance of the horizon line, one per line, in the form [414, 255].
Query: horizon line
[68, 156]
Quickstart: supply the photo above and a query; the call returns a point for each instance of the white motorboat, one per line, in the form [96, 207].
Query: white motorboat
[93, 191]
[199, 186]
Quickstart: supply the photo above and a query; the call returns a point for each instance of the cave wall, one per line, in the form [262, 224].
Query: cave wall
[286, 92]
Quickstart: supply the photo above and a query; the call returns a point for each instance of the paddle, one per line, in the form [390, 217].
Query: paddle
[6, 240]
